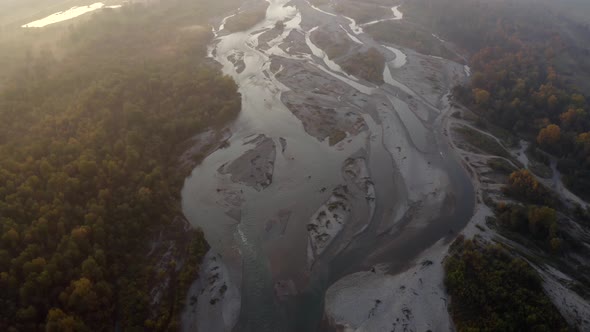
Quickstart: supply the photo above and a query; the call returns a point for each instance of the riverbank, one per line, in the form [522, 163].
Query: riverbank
[558, 270]
[361, 185]
[179, 254]
[359, 172]
[108, 129]
[375, 300]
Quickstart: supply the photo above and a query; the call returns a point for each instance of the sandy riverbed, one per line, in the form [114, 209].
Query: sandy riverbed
[322, 163]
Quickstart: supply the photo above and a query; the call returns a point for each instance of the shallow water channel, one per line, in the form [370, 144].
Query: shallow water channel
[257, 257]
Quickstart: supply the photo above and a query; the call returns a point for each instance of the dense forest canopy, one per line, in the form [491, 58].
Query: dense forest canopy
[88, 148]
[492, 291]
[530, 70]
[530, 73]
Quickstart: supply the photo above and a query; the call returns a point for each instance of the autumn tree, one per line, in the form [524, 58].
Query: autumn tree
[493, 291]
[570, 117]
[481, 96]
[524, 186]
[542, 221]
[88, 169]
[58, 321]
[549, 136]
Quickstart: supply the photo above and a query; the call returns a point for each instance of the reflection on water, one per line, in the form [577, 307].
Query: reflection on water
[67, 15]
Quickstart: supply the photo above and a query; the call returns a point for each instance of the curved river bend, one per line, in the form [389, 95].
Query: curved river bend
[412, 194]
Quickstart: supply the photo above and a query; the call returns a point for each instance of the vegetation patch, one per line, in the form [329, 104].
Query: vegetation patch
[524, 187]
[521, 82]
[493, 291]
[334, 44]
[481, 141]
[501, 166]
[540, 169]
[507, 138]
[538, 223]
[89, 145]
[368, 65]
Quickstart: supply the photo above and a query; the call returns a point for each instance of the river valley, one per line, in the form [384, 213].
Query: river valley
[327, 179]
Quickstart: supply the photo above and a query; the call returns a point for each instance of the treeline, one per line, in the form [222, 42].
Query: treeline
[537, 222]
[530, 69]
[520, 91]
[520, 81]
[88, 150]
[535, 216]
[492, 291]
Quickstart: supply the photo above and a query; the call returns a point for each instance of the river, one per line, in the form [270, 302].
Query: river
[68, 15]
[422, 193]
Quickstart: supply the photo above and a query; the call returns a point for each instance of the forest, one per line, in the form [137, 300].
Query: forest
[88, 167]
[492, 291]
[530, 72]
[529, 76]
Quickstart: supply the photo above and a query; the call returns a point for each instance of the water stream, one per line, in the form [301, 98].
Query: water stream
[397, 15]
[302, 168]
[67, 15]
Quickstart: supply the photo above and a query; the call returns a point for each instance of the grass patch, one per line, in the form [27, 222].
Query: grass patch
[368, 65]
[501, 166]
[540, 169]
[334, 46]
[507, 138]
[538, 166]
[482, 142]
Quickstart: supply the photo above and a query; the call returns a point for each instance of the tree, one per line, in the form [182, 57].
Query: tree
[549, 136]
[578, 100]
[552, 102]
[523, 182]
[481, 96]
[493, 291]
[541, 221]
[58, 321]
[568, 118]
[10, 238]
[81, 296]
[555, 244]
[91, 270]
[84, 153]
